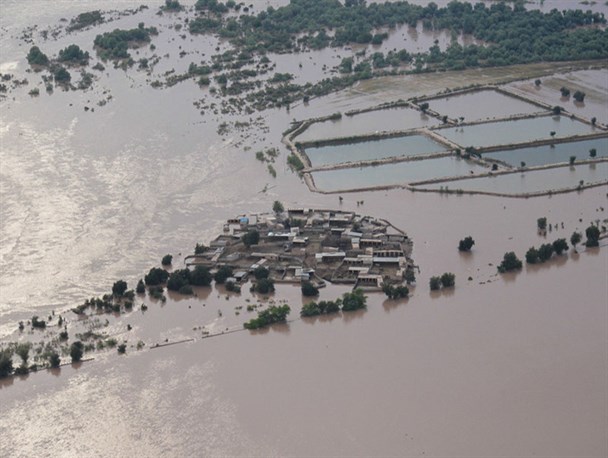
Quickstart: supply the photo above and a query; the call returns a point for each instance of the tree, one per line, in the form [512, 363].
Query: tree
[509, 262]
[448, 280]
[537, 82]
[575, 239]
[593, 236]
[572, 160]
[541, 223]
[167, 259]
[23, 351]
[309, 290]
[532, 255]
[592, 152]
[410, 276]
[6, 362]
[251, 238]
[119, 288]
[579, 96]
[395, 292]
[199, 248]
[277, 207]
[76, 351]
[122, 349]
[61, 75]
[37, 57]
[73, 54]
[565, 91]
[261, 272]
[264, 286]
[54, 359]
[354, 301]
[424, 106]
[557, 110]
[435, 283]
[38, 323]
[178, 279]
[140, 288]
[466, 244]
[559, 246]
[156, 276]
[545, 251]
[273, 314]
[201, 276]
[222, 274]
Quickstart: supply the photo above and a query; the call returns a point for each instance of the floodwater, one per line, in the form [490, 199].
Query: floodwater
[532, 181]
[394, 174]
[368, 123]
[87, 198]
[516, 131]
[551, 154]
[481, 105]
[410, 145]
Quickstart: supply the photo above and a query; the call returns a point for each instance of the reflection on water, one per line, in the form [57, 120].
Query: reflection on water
[392, 174]
[551, 154]
[518, 131]
[377, 149]
[531, 181]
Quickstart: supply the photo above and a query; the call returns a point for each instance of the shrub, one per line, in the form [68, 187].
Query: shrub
[122, 349]
[541, 223]
[37, 57]
[593, 236]
[448, 280]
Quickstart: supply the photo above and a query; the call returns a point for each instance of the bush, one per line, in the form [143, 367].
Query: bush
[593, 236]
[37, 57]
[167, 259]
[73, 54]
[541, 223]
[466, 244]
[122, 349]
[509, 262]
[309, 290]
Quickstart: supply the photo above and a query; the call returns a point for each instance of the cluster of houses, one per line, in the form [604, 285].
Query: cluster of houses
[312, 245]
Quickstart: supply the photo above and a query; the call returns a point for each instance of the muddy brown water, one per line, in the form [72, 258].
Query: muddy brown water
[512, 365]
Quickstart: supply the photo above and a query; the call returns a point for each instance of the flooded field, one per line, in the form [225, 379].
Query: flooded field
[551, 154]
[410, 145]
[530, 182]
[393, 174]
[516, 131]
[368, 123]
[479, 370]
[480, 105]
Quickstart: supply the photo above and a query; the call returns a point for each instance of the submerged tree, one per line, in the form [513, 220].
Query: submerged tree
[509, 262]
[466, 244]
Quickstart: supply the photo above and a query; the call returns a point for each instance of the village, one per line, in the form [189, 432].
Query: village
[306, 245]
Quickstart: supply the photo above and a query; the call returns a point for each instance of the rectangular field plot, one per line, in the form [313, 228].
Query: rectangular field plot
[376, 149]
[368, 123]
[393, 174]
[551, 154]
[480, 105]
[530, 182]
[517, 131]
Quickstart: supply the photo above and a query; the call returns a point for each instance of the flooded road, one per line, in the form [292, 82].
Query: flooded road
[513, 365]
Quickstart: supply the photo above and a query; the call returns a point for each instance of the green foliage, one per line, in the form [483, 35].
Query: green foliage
[23, 351]
[572, 160]
[354, 301]
[54, 359]
[264, 286]
[76, 351]
[575, 238]
[114, 45]
[559, 246]
[435, 283]
[277, 207]
[141, 287]
[273, 314]
[122, 349]
[251, 238]
[509, 263]
[541, 224]
[62, 76]
[74, 55]
[37, 323]
[261, 272]
[395, 292]
[37, 57]
[212, 6]
[195, 69]
[295, 163]
[592, 152]
[178, 279]
[545, 251]
[565, 91]
[222, 274]
[172, 6]
[201, 276]
[202, 25]
[309, 290]
[532, 256]
[410, 276]
[167, 259]
[156, 276]
[321, 308]
[466, 244]
[346, 66]
[6, 362]
[579, 96]
[84, 20]
[119, 288]
[593, 236]
[199, 248]
[448, 280]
